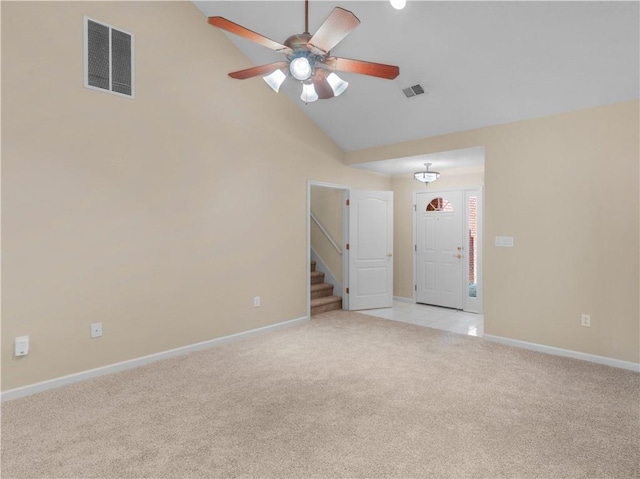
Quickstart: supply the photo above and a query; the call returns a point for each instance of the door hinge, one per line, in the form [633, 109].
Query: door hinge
[347, 202]
[347, 290]
[347, 247]
[415, 287]
[415, 247]
[415, 207]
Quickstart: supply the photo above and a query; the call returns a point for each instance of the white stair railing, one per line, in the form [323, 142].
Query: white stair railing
[325, 232]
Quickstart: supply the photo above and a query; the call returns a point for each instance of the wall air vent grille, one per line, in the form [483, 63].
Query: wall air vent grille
[98, 60]
[108, 59]
[414, 90]
[121, 62]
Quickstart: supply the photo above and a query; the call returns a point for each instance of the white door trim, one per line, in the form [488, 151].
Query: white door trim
[477, 306]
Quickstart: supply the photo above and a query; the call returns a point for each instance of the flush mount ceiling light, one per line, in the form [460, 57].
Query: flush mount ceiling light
[398, 4]
[308, 59]
[426, 176]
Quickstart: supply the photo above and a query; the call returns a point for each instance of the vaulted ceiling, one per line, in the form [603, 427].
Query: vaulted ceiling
[481, 63]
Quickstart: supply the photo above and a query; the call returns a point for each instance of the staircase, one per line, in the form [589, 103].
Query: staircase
[322, 298]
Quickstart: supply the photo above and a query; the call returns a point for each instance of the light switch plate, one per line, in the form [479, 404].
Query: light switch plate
[21, 346]
[504, 241]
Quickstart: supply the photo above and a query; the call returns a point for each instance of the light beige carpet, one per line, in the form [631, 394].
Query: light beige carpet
[345, 395]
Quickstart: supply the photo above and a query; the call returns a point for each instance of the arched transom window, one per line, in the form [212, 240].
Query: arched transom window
[439, 204]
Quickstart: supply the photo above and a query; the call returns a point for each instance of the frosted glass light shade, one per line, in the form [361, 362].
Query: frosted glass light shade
[309, 94]
[426, 176]
[338, 85]
[275, 79]
[398, 4]
[300, 68]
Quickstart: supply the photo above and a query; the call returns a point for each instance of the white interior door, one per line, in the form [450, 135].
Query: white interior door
[440, 248]
[370, 249]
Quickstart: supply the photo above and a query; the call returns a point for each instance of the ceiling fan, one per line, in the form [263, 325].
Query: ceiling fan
[308, 59]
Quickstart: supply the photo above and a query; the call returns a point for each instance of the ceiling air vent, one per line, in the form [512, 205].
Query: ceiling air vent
[414, 90]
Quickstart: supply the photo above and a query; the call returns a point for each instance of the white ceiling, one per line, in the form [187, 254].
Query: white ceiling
[482, 63]
[463, 161]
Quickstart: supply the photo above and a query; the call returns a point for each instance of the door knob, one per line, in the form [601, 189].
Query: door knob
[389, 255]
[457, 256]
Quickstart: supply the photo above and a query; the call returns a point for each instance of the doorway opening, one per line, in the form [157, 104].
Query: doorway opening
[350, 243]
[327, 233]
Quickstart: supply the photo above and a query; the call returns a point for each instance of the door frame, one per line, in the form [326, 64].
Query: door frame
[346, 190]
[473, 305]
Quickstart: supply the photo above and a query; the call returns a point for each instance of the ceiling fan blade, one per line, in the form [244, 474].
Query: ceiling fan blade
[323, 89]
[379, 70]
[243, 32]
[257, 71]
[338, 25]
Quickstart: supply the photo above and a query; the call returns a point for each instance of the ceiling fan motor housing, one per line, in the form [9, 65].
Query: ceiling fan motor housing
[298, 43]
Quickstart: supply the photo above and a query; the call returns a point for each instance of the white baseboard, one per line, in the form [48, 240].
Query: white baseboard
[134, 363]
[401, 299]
[616, 363]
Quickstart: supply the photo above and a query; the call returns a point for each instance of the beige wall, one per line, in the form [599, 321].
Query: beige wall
[404, 188]
[566, 188]
[160, 217]
[326, 205]
[147, 215]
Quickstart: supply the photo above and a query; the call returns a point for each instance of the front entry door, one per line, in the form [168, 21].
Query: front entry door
[439, 248]
[370, 249]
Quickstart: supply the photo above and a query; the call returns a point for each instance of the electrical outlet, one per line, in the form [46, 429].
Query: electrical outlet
[586, 320]
[96, 330]
[21, 346]
[256, 301]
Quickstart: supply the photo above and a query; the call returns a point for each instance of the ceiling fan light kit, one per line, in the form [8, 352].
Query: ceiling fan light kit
[338, 85]
[426, 176]
[308, 59]
[275, 80]
[309, 93]
[300, 68]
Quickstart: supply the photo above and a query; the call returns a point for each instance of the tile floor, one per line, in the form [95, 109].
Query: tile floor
[432, 317]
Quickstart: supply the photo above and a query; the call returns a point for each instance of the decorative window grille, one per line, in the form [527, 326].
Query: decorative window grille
[440, 204]
[108, 59]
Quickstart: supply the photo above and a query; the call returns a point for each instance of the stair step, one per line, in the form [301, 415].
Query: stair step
[327, 303]
[321, 290]
[317, 277]
[313, 266]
